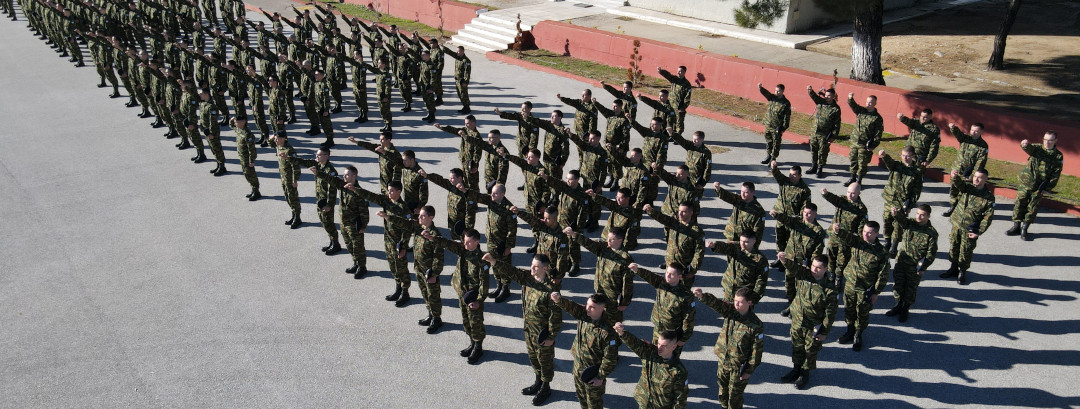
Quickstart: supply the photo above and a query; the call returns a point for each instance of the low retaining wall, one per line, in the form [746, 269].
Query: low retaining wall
[455, 15]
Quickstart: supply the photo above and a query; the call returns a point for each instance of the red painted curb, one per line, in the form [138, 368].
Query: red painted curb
[932, 174]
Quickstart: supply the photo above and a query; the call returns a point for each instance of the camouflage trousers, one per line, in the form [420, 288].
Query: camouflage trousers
[214, 140]
[384, 109]
[731, 387]
[906, 278]
[246, 151]
[322, 121]
[354, 239]
[590, 397]
[783, 233]
[860, 161]
[239, 108]
[399, 267]
[680, 121]
[405, 89]
[819, 150]
[463, 93]
[542, 358]
[501, 267]
[292, 197]
[891, 225]
[360, 97]
[106, 73]
[432, 292]
[961, 248]
[472, 320]
[258, 114]
[857, 306]
[773, 140]
[326, 217]
[838, 255]
[1026, 206]
[192, 134]
[804, 347]
[428, 95]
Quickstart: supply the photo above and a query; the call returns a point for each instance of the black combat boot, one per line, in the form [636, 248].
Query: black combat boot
[895, 310]
[396, 294]
[1014, 230]
[360, 271]
[1024, 232]
[295, 221]
[953, 271]
[314, 131]
[403, 299]
[961, 277]
[848, 336]
[792, 375]
[476, 353]
[289, 222]
[786, 312]
[948, 212]
[850, 181]
[465, 352]
[333, 249]
[857, 345]
[768, 158]
[531, 250]
[542, 394]
[813, 169]
[220, 169]
[532, 389]
[575, 269]
[352, 270]
[425, 322]
[497, 290]
[904, 313]
[199, 157]
[115, 93]
[255, 195]
[804, 379]
[184, 144]
[504, 294]
[436, 323]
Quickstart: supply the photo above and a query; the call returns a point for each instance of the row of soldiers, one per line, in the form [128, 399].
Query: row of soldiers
[854, 265]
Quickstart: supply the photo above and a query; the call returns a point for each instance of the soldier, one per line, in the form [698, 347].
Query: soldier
[698, 157]
[256, 86]
[278, 105]
[496, 167]
[681, 189]
[321, 109]
[1039, 177]
[556, 145]
[638, 179]
[790, 201]
[325, 195]
[354, 218]
[543, 320]
[674, 307]
[747, 215]
[685, 240]
[535, 188]
[850, 214]
[902, 190]
[585, 118]
[382, 93]
[866, 273]
[663, 382]
[777, 119]
[550, 241]
[813, 311]
[470, 280]
[528, 135]
[501, 234]
[469, 151]
[975, 210]
[616, 137]
[613, 279]
[746, 267]
[655, 138]
[595, 347]
[806, 241]
[739, 345]
[826, 127]
[460, 200]
[429, 76]
[923, 135]
[623, 213]
[865, 137]
[680, 92]
[389, 158]
[462, 75]
[290, 172]
[415, 193]
[395, 237]
[405, 60]
[427, 265]
[626, 95]
[359, 83]
[915, 257]
[212, 129]
[972, 156]
[595, 162]
[245, 149]
[662, 108]
[574, 204]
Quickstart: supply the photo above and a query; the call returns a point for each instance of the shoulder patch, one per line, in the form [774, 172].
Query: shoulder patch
[612, 342]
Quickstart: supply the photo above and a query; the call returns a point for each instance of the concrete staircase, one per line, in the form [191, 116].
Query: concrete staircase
[489, 32]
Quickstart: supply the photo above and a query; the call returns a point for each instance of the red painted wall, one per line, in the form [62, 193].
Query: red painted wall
[455, 14]
[1004, 129]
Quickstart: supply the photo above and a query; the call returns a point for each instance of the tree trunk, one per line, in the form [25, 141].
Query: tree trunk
[997, 58]
[866, 42]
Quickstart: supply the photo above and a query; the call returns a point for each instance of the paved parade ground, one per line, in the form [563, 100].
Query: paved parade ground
[133, 278]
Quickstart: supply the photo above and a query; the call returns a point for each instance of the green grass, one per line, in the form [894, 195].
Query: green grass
[1002, 173]
[361, 12]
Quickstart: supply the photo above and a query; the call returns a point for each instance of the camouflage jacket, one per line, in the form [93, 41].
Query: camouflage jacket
[674, 306]
[745, 216]
[595, 343]
[814, 305]
[925, 138]
[742, 338]
[904, 184]
[663, 383]
[1043, 168]
[744, 269]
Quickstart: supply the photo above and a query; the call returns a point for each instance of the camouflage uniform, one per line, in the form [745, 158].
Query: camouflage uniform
[556, 149]
[813, 311]
[654, 147]
[245, 149]
[613, 278]
[902, 191]
[865, 137]
[680, 97]
[354, 220]
[617, 135]
[462, 75]
[663, 383]
[290, 173]
[744, 269]
[471, 274]
[739, 348]
[673, 309]
[807, 241]
[639, 178]
[849, 215]
[383, 90]
[685, 244]
[629, 103]
[916, 255]
[826, 127]
[460, 204]
[925, 138]
[595, 344]
[585, 119]
[415, 187]
[698, 159]
[395, 234]
[389, 162]
[469, 153]
[574, 207]
[866, 273]
[501, 231]
[1041, 174]
[496, 167]
[535, 187]
[539, 313]
[662, 110]
[528, 134]
[428, 255]
[595, 162]
[551, 242]
[627, 218]
[972, 156]
[324, 190]
[745, 217]
[777, 119]
[208, 112]
[790, 201]
[974, 212]
[679, 192]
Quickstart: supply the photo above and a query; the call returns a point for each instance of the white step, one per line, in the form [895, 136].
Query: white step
[486, 32]
[509, 22]
[495, 28]
[472, 46]
[481, 40]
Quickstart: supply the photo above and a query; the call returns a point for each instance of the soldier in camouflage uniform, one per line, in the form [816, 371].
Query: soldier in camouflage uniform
[971, 156]
[747, 215]
[359, 83]
[427, 265]
[655, 139]
[528, 135]
[1039, 177]
[325, 194]
[616, 137]
[556, 146]
[685, 240]
[585, 119]
[826, 127]
[674, 306]
[680, 93]
[541, 315]
[662, 108]
[462, 75]
[850, 214]
[321, 109]
[740, 344]
[290, 173]
[389, 158]
[245, 149]
[777, 119]
[915, 257]
[470, 150]
[574, 204]
[430, 75]
[867, 135]
[383, 89]
[902, 190]
[189, 114]
[972, 216]
[461, 203]
[496, 167]
[550, 241]
[212, 129]
[501, 234]
[395, 237]
[746, 267]
[807, 239]
[415, 193]
[613, 279]
[663, 383]
[790, 201]
[470, 277]
[354, 218]
[866, 273]
[923, 135]
[535, 188]
[698, 156]
[681, 189]
[638, 179]
[595, 163]
[595, 344]
[622, 214]
[813, 311]
[626, 95]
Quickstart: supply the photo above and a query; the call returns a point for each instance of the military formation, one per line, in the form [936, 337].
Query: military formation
[178, 60]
